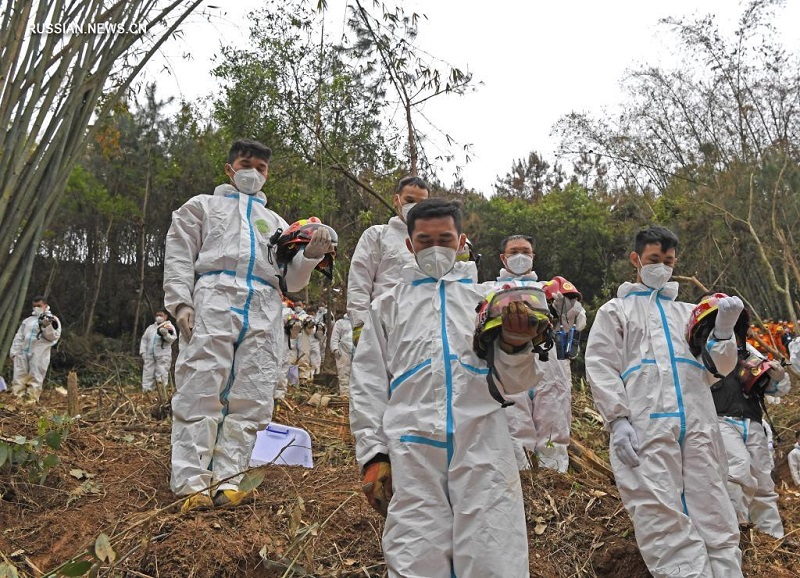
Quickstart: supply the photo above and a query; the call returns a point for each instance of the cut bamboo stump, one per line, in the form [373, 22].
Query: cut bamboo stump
[73, 397]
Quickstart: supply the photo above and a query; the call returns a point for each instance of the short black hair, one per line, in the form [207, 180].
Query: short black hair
[164, 311]
[245, 147]
[41, 298]
[655, 235]
[505, 241]
[411, 182]
[434, 209]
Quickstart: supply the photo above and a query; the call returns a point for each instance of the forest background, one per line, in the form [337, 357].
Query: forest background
[709, 148]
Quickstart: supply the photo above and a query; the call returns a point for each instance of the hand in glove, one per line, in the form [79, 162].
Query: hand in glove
[357, 334]
[728, 311]
[185, 320]
[377, 486]
[522, 324]
[625, 442]
[319, 245]
[776, 372]
[567, 308]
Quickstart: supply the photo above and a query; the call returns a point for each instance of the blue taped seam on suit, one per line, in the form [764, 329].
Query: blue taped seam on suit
[448, 374]
[404, 376]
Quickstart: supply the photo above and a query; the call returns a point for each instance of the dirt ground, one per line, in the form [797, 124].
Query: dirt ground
[112, 480]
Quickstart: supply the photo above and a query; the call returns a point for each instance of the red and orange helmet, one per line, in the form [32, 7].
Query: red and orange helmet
[297, 236]
[560, 285]
[753, 372]
[702, 319]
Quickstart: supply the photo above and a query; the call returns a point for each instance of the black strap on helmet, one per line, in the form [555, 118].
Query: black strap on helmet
[490, 380]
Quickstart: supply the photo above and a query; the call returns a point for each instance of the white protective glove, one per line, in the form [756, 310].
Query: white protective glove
[776, 372]
[728, 311]
[567, 309]
[625, 442]
[319, 244]
[185, 320]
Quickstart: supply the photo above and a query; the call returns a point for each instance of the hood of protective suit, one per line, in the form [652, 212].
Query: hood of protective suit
[670, 290]
[228, 190]
[506, 275]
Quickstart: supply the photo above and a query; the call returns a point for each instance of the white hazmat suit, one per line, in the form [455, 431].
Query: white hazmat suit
[640, 367]
[217, 261]
[419, 394]
[794, 464]
[30, 352]
[750, 485]
[342, 347]
[155, 347]
[376, 266]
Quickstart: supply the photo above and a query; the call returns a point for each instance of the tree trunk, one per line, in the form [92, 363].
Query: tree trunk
[99, 267]
[142, 259]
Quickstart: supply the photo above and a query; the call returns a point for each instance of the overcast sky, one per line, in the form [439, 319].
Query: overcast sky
[537, 61]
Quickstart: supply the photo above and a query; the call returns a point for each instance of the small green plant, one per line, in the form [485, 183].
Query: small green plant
[37, 454]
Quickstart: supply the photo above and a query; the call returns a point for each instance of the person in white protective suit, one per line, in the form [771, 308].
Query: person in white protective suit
[794, 460]
[317, 343]
[750, 485]
[155, 347]
[540, 419]
[222, 286]
[433, 443]
[304, 349]
[342, 347]
[665, 447]
[738, 398]
[30, 350]
[381, 254]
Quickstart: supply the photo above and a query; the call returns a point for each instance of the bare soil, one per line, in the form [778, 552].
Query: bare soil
[113, 478]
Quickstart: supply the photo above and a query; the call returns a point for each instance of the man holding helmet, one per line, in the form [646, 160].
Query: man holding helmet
[30, 350]
[665, 448]
[739, 398]
[433, 444]
[540, 418]
[222, 282]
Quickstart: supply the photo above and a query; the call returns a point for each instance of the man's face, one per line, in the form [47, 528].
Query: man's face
[409, 194]
[251, 162]
[517, 246]
[435, 232]
[651, 255]
[41, 304]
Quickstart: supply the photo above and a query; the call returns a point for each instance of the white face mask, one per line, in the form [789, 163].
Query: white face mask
[436, 262]
[656, 275]
[159, 319]
[249, 181]
[405, 209]
[38, 310]
[519, 263]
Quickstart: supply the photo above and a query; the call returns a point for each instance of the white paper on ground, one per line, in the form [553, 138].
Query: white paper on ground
[282, 445]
